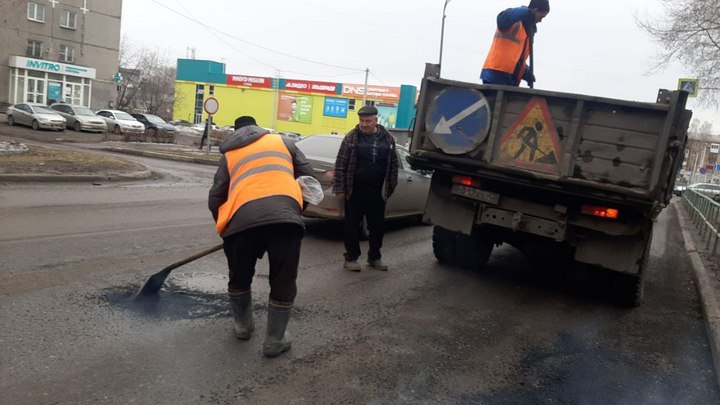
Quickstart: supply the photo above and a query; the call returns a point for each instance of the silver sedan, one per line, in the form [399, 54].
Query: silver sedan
[36, 116]
[409, 197]
[80, 118]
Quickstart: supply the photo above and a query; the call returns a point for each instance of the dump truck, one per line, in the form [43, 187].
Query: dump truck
[574, 181]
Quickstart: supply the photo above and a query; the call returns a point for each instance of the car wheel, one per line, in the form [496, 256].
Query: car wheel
[116, 130]
[77, 126]
[35, 125]
[11, 120]
[363, 231]
[153, 134]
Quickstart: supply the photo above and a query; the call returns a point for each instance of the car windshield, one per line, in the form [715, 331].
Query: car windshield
[124, 116]
[322, 146]
[83, 111]
[154, 119]
[43, 110]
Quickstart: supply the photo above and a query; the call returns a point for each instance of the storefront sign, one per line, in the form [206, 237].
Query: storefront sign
[54, 91]
[294, 108]
[714, 148]
[373, 92]
[335, 107]
[309, 86]
[387, 115]
[52, 67]
[249, 81]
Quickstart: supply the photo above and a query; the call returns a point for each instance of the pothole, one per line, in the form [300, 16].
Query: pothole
[197, 282]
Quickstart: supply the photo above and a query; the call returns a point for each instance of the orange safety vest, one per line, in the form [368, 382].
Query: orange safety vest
[261, 169]
[509, 51]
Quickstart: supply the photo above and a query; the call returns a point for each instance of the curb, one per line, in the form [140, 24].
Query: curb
[709, 302]
[142, 174]
[162, 155]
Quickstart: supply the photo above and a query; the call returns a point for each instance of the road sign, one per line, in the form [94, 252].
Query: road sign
[531, 141]
[458, 120]
[211, 105]
[689, 85]
[117, 78]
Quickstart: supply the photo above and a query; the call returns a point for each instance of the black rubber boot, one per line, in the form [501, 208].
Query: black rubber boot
[241, 305]
[277, 339]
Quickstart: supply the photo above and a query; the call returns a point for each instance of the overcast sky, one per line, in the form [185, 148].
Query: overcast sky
[582, 47]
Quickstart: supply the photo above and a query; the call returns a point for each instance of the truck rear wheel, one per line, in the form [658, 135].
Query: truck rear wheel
[627, 289]
[467, 251]
[444, 242]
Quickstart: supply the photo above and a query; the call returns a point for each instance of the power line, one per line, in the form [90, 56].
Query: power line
[218, 37]
[254, 44]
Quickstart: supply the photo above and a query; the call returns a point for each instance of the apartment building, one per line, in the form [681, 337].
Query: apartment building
[59, 50]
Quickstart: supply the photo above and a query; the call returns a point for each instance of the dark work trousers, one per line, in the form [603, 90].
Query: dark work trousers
[282, 244]
[370, 204]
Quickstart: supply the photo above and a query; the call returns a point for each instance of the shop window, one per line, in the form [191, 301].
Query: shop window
[34, 48]
[212, 90]
[67, 53]
[199, 91]
[68, 19]
[351, 104]
[370, 102]
[36, 12]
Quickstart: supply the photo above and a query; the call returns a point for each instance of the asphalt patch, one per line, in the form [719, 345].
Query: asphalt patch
[171, 303]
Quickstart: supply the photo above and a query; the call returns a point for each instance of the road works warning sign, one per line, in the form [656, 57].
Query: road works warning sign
[531, 141]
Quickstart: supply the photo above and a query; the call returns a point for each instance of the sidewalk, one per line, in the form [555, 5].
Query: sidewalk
[705, 267]
[38, 160]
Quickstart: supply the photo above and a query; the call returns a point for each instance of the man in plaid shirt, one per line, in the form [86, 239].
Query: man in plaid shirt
[366, 174]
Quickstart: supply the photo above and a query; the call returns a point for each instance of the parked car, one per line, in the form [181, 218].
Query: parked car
[291, 136]
[678, 189]
[409, 197]
[709, 189]
[120, 122]
[154, 124]
[36, 116]
[80, 118]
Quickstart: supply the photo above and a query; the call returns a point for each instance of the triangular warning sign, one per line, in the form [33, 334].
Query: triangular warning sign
[531, 141]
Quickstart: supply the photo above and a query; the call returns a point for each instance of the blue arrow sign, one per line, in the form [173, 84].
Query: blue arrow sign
[458, 120]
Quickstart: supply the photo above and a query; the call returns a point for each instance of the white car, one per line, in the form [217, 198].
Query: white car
[36, 116]
[120, 122]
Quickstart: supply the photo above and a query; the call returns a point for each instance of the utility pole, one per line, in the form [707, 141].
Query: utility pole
[365, 89]
[442, 37]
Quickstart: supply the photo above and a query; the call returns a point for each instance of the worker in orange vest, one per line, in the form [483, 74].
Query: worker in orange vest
[256, 203]
[512, 45]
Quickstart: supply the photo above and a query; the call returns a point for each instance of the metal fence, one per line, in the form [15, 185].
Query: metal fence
[705, 214]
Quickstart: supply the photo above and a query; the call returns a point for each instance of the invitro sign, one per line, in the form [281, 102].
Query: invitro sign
[51, 67]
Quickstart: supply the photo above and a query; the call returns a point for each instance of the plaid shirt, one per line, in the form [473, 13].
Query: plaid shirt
[346, 162]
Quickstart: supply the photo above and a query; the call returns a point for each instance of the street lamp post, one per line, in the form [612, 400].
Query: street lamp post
[442, 36]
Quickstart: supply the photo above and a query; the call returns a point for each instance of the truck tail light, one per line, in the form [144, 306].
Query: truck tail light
[597, 211]
[465, 181]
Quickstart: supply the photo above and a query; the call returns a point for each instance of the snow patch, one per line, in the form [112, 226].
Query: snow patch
[12, 147]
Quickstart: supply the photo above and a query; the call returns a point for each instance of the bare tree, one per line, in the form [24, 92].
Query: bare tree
[701, 130]
[689, 33]
[148, 83]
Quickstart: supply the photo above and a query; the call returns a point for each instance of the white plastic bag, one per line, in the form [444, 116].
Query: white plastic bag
[311, 189]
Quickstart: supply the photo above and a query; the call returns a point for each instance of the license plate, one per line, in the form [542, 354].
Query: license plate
[475, 194]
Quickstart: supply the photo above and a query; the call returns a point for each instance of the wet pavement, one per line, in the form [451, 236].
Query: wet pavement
[75, 255]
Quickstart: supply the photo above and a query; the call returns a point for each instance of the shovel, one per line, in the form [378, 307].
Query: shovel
[151, 287]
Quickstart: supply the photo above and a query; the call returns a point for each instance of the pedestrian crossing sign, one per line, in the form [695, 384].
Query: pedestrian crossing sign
[531, 141]
[689, 85]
